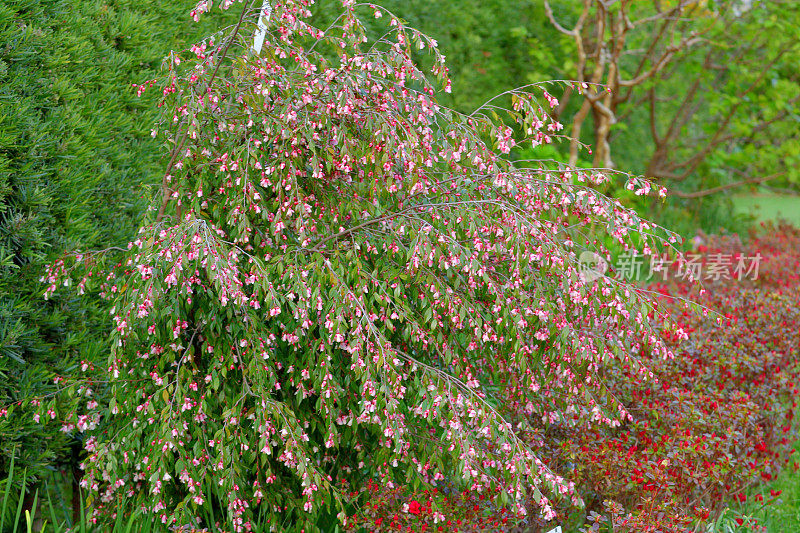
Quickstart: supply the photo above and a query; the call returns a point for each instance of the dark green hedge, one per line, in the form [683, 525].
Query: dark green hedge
[76, 161]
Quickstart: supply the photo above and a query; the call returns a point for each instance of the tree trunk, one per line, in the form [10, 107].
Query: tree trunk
[577, 123]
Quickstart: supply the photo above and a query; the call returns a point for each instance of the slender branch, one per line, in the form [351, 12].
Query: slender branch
[666, 57]
[651, 96]
[549, 12]
[715, 190]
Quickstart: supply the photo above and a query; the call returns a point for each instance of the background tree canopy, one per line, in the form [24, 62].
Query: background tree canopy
[697, 88]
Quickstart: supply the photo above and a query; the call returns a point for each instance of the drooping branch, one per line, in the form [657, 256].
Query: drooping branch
[166, 190]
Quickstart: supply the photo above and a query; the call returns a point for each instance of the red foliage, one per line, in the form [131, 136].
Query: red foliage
[392, 509]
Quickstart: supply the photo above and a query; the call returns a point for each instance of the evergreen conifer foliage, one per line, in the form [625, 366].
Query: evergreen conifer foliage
[75, 154]
[340, 277]
[36, 182]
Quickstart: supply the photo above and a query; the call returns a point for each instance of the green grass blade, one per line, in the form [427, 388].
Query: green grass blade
[33, 508]
[129, 528]
[21, 499]
[118, 522]
[210, 516]
[52, 511]
[8, 493]
[28, 517]
[84, 529]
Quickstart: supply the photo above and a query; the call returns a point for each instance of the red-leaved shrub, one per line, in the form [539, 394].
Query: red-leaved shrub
[710, 423]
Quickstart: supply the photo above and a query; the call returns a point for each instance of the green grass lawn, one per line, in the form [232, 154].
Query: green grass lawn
[769, 207]
[784, 515]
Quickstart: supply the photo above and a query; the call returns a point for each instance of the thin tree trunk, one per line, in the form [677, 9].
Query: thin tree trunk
[577, 123]
[76, 475]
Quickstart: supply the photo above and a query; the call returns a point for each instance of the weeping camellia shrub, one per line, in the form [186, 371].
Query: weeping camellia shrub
[338, 280]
